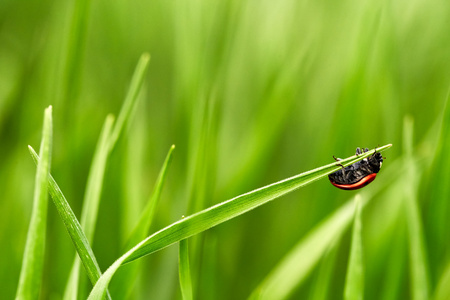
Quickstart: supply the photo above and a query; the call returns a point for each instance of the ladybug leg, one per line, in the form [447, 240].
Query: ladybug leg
[343, 169]
[358, 151]
[367, 150]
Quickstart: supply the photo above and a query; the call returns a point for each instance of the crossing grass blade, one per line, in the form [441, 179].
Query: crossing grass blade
[73, 227]
[184, 270]
[218, 214]
[33, 258]
[354, 283]
[91, 200]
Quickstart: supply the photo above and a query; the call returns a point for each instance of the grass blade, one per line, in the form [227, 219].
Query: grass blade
[106, 143]
[419, 271]
[126, 277]
[131, 97]
[443, 287]
[146, 219]
[33, 258]
[321, 286]
[184, 270]
[354, 283]
[218, 214]
[73, 227]
[91, 202]
[294, 268]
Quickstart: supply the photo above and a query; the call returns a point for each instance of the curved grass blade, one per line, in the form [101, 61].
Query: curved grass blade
[184, 270]
[73, 227]
[218, 214]
[294, 268]
[126, 277]
[354, 283]
[418, 263]
[106, 143]
[33, 257]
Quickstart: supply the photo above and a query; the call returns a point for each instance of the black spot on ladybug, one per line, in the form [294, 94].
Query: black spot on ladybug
[358, 174]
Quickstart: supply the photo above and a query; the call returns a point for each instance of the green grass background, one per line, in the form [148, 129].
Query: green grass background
[250, 92]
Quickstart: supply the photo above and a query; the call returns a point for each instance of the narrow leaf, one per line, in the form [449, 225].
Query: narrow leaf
[443, 287]
[73, 227]
[418, 263]
[218, 214]
[321, 286]
[145, 221]
[126, 277]
[184, 270]
[294, 268]
[300, 261]
[354, 283]
[106, 143]
[33, 257]
[91, 202]
[131, 97]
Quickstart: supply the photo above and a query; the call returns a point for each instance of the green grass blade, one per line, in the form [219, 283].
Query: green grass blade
[443, 288]
[131, 97]
[145, 221]
[73, 227]
[106, 143]
[184, 270]
[321, 287]
[126, 277]
[354, 283]
[418, 263]
[33, 257]
[91, 202]
[218, 214]
[95, 180]
[294, 268]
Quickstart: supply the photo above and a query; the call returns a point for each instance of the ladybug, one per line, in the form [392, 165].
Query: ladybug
[359, 174]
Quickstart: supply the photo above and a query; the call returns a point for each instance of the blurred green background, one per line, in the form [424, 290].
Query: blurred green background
[250, 92]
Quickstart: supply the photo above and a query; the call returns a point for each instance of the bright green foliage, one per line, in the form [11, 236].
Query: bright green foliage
[420, 289]
[220, 213]
[106, 143]
[33, 257]
[251, 92]
[184, 270]
[73, 227]
[127, 277]
[354, 282]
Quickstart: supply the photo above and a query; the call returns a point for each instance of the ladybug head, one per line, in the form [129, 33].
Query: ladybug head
[375, 162]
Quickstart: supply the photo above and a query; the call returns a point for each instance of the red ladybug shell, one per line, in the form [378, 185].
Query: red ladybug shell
[354, 186]
[359, 174]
